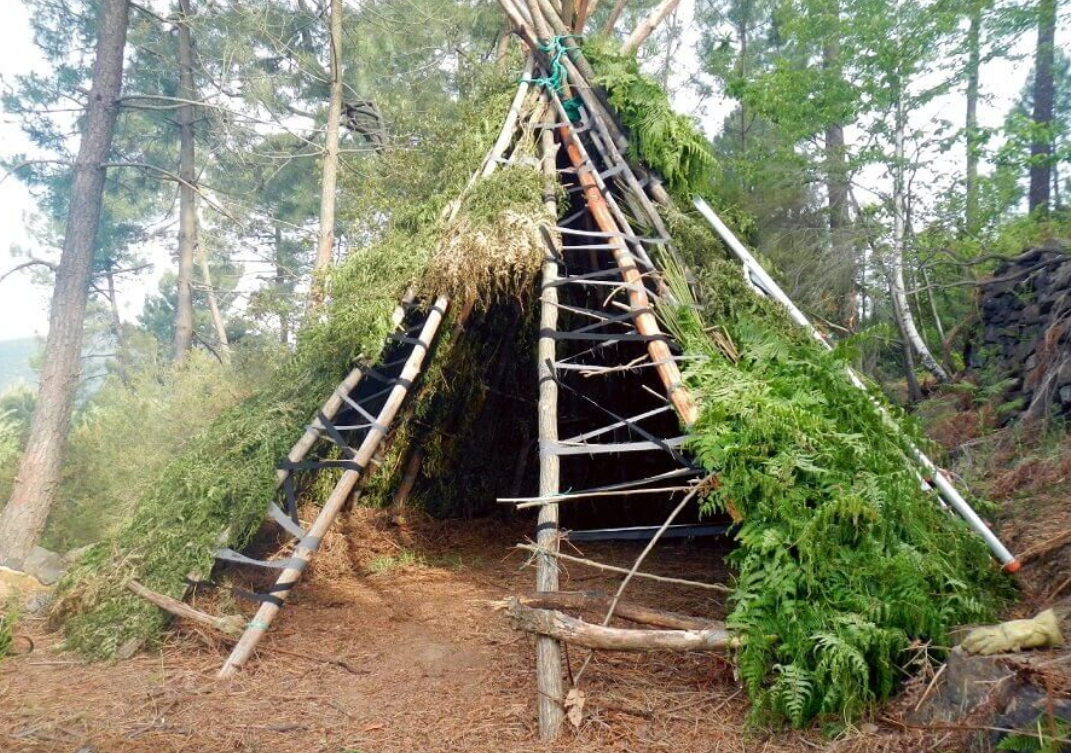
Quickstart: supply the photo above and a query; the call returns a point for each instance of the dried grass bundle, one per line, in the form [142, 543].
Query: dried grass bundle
[496, 245]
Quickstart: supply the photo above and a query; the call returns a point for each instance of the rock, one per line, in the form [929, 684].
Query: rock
[48, 567]
[1065, 394]
[13, 582]
[38, 602]
[985, 692]
[130, 647]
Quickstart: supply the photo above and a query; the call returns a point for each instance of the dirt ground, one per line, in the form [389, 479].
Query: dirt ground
[394, 646]
[393, 643]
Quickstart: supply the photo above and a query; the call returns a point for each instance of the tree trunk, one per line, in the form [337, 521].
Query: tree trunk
[187, 235]
[23, 519]
[280, 291]
[122, 354]
[974, 43]
[326, 247]
[1044, 97]
[895, 267]
[213, 306]
[647, 26]
[837, 185]
[615, 13]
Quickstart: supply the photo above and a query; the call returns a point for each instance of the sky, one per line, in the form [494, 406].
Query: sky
[24, 306]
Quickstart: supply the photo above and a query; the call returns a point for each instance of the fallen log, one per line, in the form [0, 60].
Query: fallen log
[633, 612]
[579, 633]
[231, 625]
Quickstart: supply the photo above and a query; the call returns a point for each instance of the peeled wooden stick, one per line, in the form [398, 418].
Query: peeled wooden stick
[548, 651]
[646, 323]
[580, 633]
[647, 25]
[308, 545]
[577, 600]
[231, 626]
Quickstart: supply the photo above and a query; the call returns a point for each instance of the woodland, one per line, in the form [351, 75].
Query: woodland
[390, 206]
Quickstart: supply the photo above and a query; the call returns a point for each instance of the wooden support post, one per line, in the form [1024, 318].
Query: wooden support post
[548, 651]
[307, 546]
[646, 323]
[580, 633]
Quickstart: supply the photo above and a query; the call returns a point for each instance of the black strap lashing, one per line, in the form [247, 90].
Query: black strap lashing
[308, 465]
[336, 436]
[416, 342]
[268, 595]
[602, 336]
[687, 463]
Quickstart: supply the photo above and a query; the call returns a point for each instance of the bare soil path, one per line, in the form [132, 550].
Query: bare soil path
[391, 645]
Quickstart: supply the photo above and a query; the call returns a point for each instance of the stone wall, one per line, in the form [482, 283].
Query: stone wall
[1026, 331]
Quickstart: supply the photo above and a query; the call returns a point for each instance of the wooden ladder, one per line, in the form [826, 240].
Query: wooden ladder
[373, 396]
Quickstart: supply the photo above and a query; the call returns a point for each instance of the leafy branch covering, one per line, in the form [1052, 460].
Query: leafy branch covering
[843, 562]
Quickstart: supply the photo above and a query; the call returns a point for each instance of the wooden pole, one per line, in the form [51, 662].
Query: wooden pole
[593, 600]
[548, 651]
[231, 626]
[580, 633]
[646, 323]
[307, 547]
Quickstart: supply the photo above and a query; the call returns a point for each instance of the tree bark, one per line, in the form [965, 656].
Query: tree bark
[187, 235]
[326, 248]
[895, 267]
[213, 306]
[1044, 101]
[23, 519]
[837, 184]
[974, 43]
[615, 14]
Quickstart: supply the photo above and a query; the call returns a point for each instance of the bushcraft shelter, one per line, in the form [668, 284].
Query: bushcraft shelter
[611, 412]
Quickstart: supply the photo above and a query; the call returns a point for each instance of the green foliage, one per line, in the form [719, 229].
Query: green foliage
[1042, 737]
[126, 433]
[665, 141]
[842, 560]
[225, 477]
[9, 619]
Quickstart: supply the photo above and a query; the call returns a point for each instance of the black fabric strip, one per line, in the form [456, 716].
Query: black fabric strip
[416, 342]
[306, 465]
[291, 498]
[546, 526]
[336, 436]
[602, 336]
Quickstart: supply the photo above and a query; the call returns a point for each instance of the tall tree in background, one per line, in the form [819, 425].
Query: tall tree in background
[187, 234]
[971, 131]
[326, 246]
[1041, 150]
[24, 517]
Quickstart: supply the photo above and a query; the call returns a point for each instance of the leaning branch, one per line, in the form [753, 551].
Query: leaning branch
[580, 633]
[27, 264]
[648, 25]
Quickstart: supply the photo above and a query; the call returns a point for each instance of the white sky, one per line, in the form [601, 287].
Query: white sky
[24, 306]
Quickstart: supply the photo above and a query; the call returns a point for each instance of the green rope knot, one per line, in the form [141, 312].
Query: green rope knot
[556, 50]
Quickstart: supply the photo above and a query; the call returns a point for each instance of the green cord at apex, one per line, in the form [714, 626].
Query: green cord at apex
[556, 50]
